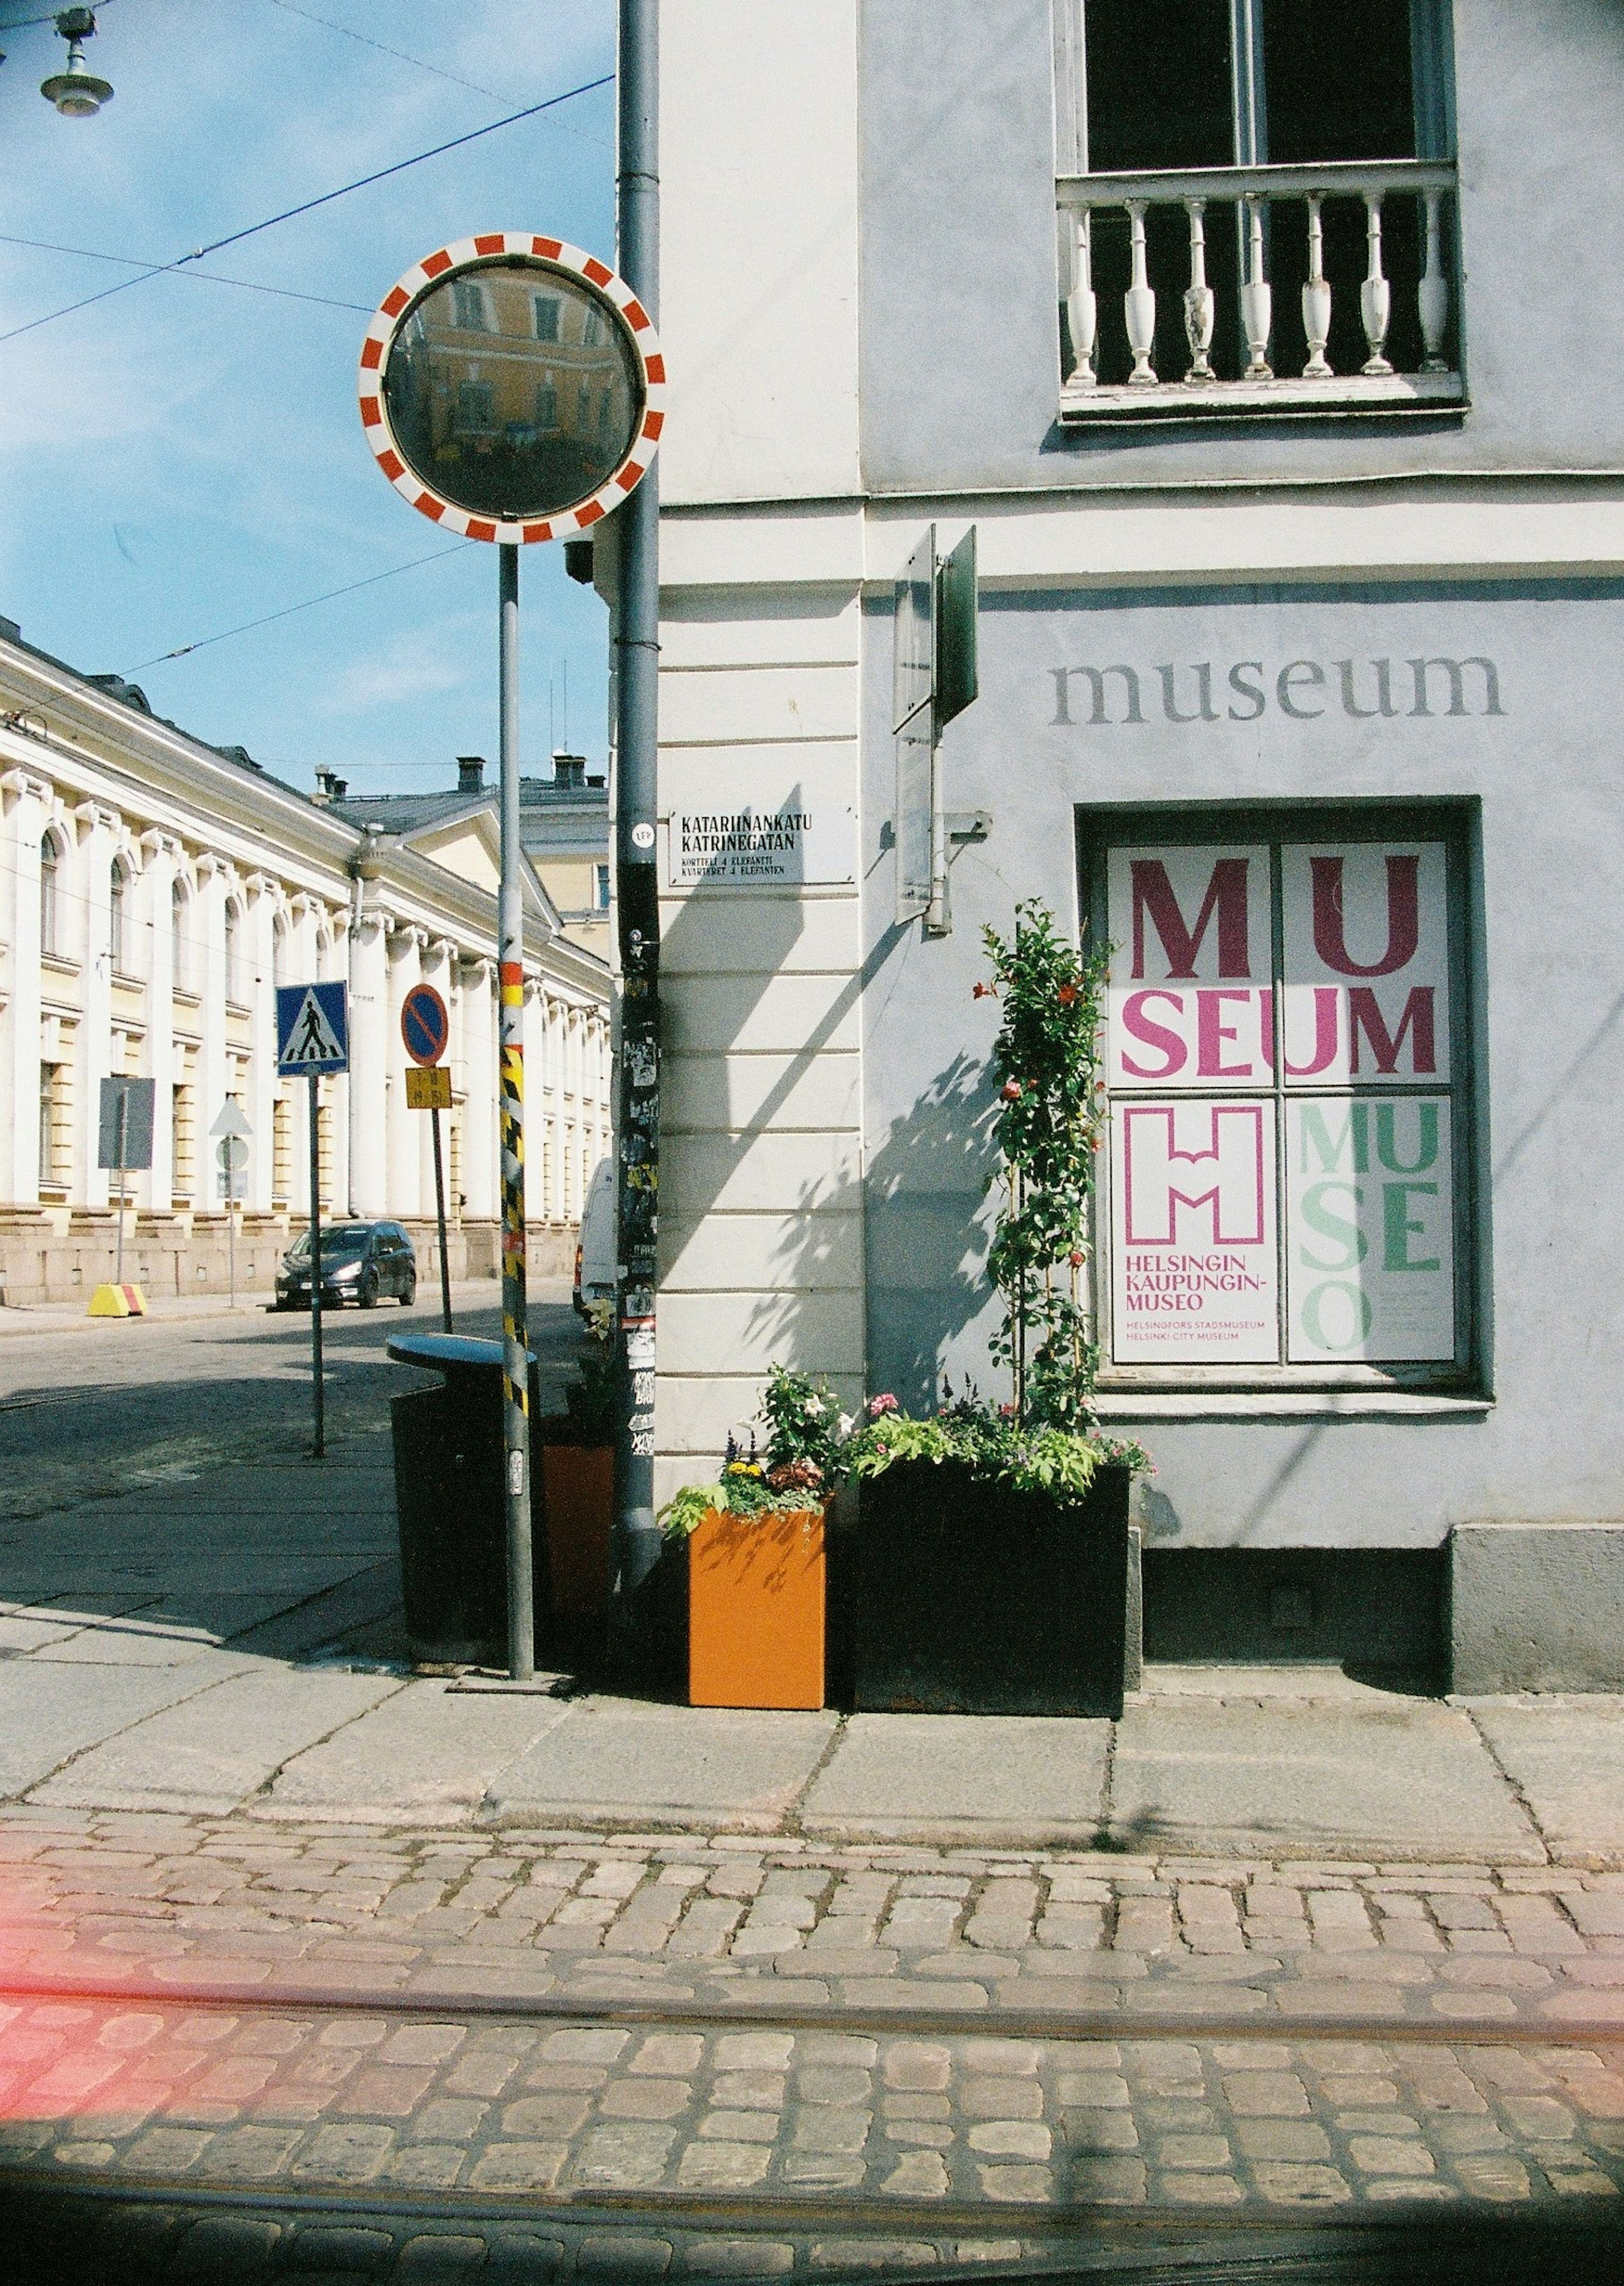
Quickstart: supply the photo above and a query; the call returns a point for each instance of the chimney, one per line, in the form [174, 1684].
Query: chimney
[329, 787]
[569, 769]
[470, 773]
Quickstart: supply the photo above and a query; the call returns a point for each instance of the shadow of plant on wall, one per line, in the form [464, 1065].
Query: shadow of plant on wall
[927, 1242]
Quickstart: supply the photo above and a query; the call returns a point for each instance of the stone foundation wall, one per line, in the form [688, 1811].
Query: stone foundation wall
[62, 1254]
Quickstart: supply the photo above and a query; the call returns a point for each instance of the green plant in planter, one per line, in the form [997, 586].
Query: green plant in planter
[807, 1433]
[1049, 1124]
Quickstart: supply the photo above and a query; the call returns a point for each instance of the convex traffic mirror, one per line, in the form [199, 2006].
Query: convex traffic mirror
[513, 379]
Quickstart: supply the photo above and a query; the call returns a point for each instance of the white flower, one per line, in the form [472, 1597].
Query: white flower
[815, 1406]
[846, 1424]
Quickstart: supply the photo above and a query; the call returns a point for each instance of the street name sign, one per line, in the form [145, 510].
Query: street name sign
[313, 1029]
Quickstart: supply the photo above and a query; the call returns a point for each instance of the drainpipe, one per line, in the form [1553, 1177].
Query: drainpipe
[636, 639]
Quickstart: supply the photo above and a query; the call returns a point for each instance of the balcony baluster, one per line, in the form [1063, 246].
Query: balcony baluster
[1198, 303]
[1257, 300]
[1432, 294]
[1376, 295]
[1316, 299]
[1082, 303]
[1140, 304]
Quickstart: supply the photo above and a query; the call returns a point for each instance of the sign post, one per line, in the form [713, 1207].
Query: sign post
[464, 404]
[312, 1036]
[125, 1143]
[426, 1027]
[232, 1131]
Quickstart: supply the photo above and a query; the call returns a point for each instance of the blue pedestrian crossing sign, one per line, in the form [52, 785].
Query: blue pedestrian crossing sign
[313, 1029]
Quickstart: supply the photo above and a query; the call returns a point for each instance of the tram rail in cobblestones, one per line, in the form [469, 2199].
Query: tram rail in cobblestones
[996, 2022]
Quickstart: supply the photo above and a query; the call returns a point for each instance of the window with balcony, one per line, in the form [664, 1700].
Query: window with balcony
[1256, 201]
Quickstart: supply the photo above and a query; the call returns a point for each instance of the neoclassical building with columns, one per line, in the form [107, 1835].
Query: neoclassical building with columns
[154, 892]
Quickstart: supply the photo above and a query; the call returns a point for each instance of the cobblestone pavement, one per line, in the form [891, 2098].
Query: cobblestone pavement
[725, 1922]
[514, 2057]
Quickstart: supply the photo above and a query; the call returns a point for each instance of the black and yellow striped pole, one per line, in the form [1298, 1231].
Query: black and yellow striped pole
[510, 1042]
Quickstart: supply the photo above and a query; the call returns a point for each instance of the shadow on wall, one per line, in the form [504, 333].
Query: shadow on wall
[925, 1243]
[926, 1236]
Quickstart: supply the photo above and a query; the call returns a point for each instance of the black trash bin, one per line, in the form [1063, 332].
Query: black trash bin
[450, 1501]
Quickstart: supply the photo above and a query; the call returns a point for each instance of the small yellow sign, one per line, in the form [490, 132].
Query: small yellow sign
[428, 1087]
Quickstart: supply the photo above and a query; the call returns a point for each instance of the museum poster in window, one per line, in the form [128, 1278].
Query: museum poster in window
[1279, 1052]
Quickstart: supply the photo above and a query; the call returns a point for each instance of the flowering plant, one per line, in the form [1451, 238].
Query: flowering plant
[1049, 1124]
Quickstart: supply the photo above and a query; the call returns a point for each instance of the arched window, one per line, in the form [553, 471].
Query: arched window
[180, 918]
[233, 953]
[118, 918]
[50, 867]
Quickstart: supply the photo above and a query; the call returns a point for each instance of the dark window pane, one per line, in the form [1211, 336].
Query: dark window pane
[1336, 74]
[1158, 84]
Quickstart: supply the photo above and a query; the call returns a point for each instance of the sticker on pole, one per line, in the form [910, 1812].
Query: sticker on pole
[425, 1025]
[512, 388]
[313, 1029]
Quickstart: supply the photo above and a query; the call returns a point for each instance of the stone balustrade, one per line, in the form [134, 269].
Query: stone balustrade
[1250, 290]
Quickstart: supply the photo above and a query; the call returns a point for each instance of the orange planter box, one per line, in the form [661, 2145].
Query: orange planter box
[755, 1610]
[577, 1492]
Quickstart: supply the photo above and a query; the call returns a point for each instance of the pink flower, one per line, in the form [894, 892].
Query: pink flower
[1075, 1260]
[984, 992]
[1067, 994]
[1012, 1090]
[878, 1405]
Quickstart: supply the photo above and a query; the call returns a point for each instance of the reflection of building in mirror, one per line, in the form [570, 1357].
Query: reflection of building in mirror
[514, 392]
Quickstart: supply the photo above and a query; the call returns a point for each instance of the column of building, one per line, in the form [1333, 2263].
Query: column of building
[438, 968]
[161, 852]
[475, 1075]
[369, 1011]
[27, 799]
[405, 946]
[259, 985]
[88, 936]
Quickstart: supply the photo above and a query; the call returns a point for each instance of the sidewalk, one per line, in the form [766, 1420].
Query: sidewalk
[308, 1962]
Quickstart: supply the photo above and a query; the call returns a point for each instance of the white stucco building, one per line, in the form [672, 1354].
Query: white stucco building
[1300, 588]
[154, 892]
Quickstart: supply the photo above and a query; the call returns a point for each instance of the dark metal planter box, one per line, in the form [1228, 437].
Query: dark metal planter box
[974, 1598]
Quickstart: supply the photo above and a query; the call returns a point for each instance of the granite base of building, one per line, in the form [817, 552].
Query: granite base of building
[1536, 1606]
[62, 1255]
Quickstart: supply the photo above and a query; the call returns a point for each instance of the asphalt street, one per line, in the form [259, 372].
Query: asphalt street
[91, 1410]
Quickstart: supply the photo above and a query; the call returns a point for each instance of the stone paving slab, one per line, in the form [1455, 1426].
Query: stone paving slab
[624, 1759]
[896, 1775]
[211, 1752]
[1404, 1777]
[424, 1752]
[49, 1713]
[1566, 1760]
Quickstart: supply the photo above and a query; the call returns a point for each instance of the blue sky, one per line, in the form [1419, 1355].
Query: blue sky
[186, 456]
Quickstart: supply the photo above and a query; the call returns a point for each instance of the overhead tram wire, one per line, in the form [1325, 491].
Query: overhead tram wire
[203, 277]
[184, 651]
[309, 206]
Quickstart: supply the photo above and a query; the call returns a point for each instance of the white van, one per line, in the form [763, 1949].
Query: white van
[594, 1253]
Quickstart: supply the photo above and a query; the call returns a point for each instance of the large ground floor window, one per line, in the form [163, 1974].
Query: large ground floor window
[1288, 1192]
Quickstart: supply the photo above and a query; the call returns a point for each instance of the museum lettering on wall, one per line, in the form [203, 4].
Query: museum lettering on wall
[1302, 689]
[1281, 1062]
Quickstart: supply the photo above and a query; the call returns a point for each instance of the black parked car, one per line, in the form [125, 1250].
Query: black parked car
[360, 1262]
